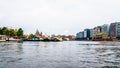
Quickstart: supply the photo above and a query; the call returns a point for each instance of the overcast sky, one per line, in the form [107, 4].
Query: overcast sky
[58, 16]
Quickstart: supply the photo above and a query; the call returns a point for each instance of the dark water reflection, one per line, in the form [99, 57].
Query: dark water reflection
[69, 54]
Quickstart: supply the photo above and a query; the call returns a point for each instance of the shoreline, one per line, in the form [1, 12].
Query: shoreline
[52, 41]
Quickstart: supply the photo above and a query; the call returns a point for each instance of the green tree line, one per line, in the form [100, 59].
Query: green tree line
[11, 32]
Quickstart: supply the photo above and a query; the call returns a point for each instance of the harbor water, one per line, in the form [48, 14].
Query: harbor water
[66, 54]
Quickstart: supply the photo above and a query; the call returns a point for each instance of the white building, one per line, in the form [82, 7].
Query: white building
[3, 37]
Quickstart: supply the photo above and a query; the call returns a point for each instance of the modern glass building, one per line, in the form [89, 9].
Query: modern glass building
[91, 33]
[87, 34]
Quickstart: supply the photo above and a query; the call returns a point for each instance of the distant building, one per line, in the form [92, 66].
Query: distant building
[105, 29]
[114, 29]
[91, 33]
[80, 36]
[3, 37]
[87, 34]
[100, 32]
[118, 30]
[71, 37]
[96, 30]
[37, 34]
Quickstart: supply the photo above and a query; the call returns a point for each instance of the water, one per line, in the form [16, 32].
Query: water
[68, 54]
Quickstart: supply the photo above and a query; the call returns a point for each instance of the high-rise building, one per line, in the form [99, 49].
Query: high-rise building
[87, 34]
[91, 33]
[114, 29]
[118, 30]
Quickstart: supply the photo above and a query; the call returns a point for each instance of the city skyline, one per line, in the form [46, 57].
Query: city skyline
[58, 16]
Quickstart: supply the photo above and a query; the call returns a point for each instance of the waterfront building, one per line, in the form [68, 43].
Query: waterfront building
[118, 30]
[96, 30]
[105, 29]
[71, 37]
[91, 33]
[87, 34]
[97, 33]
[37, 34]
[3, 37]
[114, 30]
[101, 30]
[64, 37]
[80, 36]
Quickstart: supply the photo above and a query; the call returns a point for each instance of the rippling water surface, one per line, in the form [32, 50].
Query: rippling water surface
[68, 54]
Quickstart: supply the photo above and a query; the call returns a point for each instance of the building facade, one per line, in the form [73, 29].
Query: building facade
[37, 34]
[80, 36]
[91, 33]
[96, 30]
[114, 30]
[105, 29]
[87, 34]
[3, 37]
[118, 30]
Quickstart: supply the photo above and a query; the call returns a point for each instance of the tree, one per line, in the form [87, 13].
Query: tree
[1, 31]
[12, 32]
[20, 32]
[31, 36]
[6, 32]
